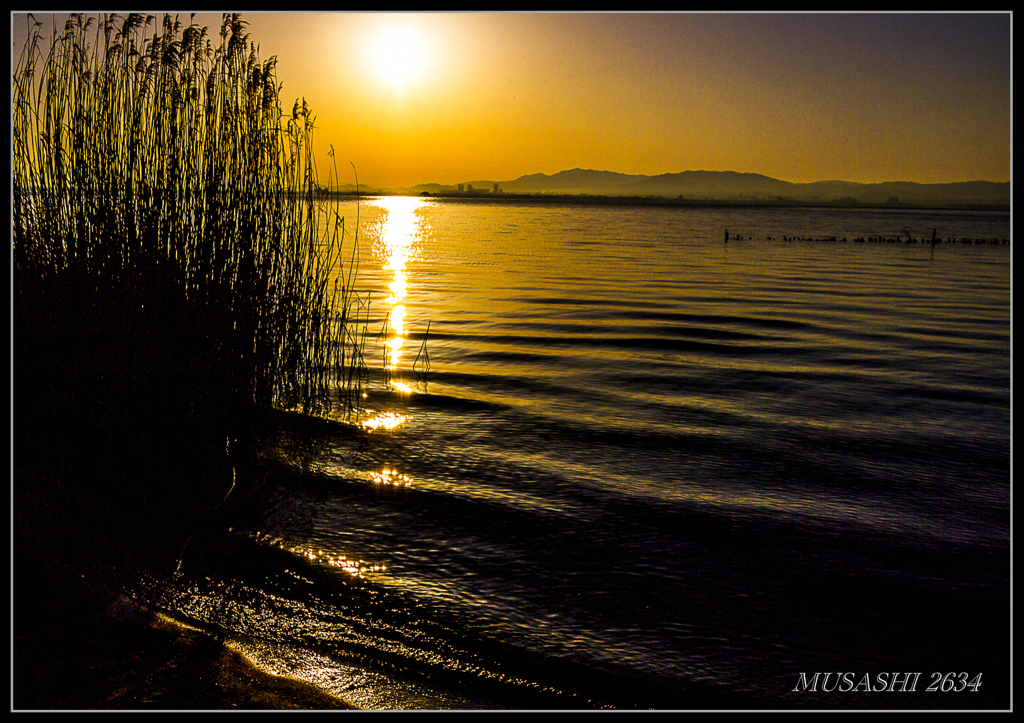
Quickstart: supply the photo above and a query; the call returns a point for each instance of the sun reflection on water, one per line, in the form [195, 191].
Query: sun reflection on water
[391, 477]
[354, 567]
[398, 243]
[384, 420]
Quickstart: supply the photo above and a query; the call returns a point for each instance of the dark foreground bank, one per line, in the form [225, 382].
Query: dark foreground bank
[80, 644]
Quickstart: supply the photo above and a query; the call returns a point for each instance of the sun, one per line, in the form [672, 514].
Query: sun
[399, 56]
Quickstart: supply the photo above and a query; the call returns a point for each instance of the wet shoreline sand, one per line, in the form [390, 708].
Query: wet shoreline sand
[140, 660]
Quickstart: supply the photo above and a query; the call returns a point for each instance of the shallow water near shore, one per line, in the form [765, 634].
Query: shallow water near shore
[638, 466]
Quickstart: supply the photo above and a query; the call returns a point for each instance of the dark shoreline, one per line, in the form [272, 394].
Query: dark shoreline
[79, 643]
[131, 658]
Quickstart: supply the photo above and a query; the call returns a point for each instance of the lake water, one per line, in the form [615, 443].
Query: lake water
[638, 466]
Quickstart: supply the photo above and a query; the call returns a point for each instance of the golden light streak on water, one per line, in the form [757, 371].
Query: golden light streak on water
[356, 568]
[384, 420]
[395, 346]
[391, 477]
[398, 319]
[398, 286]
[399, 239]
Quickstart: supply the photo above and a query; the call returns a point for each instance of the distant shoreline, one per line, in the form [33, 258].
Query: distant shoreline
[592, 200]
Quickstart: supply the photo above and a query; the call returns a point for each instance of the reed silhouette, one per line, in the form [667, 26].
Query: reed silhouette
[178, 269]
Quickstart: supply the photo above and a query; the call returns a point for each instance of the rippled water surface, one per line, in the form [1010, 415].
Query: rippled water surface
[638, 466]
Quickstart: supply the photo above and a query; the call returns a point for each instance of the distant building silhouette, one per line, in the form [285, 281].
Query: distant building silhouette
[460, 188]
[496, 188]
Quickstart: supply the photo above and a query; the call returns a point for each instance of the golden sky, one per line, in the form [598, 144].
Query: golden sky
[450, 98]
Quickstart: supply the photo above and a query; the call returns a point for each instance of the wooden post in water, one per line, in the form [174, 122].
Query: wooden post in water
[727, 235]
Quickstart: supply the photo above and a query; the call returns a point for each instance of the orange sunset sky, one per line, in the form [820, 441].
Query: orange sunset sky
[450, 98]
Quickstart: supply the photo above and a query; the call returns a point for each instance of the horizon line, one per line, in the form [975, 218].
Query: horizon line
[674, 173]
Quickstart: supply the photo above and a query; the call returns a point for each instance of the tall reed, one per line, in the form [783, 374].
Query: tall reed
[153, 165]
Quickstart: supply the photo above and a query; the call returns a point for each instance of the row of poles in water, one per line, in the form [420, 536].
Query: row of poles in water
[904, 238]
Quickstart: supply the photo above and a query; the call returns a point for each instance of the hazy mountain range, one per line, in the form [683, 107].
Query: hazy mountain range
[729, 185]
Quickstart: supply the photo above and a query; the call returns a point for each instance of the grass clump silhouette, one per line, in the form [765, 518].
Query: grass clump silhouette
[177, 265]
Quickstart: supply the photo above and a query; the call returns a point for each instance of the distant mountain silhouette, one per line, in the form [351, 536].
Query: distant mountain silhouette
[577, 180]
[730, 185]
[712, 184]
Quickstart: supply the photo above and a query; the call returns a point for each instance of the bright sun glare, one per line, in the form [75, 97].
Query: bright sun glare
[399, 56]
